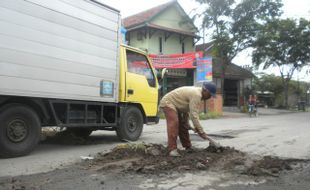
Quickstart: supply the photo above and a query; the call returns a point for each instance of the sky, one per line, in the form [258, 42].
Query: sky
[291, 9]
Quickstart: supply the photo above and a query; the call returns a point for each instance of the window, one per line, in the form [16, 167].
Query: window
[138, 64]
[160, 45]
[183, 48]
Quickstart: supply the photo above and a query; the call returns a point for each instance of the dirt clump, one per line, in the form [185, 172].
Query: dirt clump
[154, 159]
[268, 166]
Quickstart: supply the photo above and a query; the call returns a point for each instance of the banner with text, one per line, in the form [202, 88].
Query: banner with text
[186, 60]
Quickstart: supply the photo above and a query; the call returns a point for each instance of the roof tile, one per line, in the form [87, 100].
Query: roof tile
[144, 16]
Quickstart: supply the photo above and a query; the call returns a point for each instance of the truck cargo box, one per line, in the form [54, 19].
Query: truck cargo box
[62, 49]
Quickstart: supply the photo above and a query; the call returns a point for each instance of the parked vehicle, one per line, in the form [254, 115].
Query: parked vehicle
[61, 64]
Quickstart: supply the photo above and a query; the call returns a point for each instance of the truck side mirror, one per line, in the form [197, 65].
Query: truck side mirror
[161, 75]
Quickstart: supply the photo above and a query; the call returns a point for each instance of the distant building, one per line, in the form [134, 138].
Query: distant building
[167, 29]
[162, 30]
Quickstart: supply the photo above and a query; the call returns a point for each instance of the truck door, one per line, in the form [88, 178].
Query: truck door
[141, 84]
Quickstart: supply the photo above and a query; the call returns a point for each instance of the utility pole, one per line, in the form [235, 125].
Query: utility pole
[308, 96]
[298, 88]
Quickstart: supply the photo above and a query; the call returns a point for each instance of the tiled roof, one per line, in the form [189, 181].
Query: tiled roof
[144, 16]
[233, 71]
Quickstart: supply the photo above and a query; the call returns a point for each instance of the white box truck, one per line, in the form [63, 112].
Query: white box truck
[61, 64]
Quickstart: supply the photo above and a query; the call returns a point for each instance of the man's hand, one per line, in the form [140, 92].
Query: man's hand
[211, 141]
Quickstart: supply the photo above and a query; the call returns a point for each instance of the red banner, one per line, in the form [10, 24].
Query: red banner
[175, 61]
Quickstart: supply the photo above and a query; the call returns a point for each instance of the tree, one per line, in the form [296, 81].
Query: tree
[235, 26]
[269, 83]
[273, 83]
[284, 44]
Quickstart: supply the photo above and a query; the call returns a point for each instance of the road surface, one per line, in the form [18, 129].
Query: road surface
[273, 133]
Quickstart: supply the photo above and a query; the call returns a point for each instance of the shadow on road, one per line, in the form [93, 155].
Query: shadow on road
[65, 138]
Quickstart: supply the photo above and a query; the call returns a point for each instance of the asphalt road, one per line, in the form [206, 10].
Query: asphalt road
[272, 133]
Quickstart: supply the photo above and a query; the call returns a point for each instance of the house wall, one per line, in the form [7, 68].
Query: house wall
[171, 46]
[134, 42]
[172, 18]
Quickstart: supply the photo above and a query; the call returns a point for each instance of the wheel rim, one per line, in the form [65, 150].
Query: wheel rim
[17, 130]
[132, 123]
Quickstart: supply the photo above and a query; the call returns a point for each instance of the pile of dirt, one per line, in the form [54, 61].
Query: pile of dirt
[154, 159]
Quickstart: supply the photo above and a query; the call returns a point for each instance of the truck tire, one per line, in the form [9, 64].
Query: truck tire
[20, 130]
[131, 125]
[80, 132]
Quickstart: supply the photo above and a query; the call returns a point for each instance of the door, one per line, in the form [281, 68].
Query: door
[231, 92]
[141, 83]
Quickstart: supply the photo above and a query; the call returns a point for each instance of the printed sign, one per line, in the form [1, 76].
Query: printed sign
[106, 88]
[186, 60]
[204, 69]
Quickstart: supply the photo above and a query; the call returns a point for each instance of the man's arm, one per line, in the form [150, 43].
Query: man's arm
[194, 107]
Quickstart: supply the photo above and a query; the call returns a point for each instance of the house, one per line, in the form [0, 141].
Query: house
[167, 33]
[165, 30]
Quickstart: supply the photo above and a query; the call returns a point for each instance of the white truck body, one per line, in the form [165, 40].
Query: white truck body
[60, 49]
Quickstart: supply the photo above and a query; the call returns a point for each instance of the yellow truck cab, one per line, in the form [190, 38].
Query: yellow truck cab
[138, 92]
[138, 82]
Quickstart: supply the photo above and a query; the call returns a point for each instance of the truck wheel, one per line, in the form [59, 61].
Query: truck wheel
[20, 130]
[131, 124]
[80, 132]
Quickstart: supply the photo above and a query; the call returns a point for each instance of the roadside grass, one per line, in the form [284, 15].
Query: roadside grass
[162, 115]
[209, 115]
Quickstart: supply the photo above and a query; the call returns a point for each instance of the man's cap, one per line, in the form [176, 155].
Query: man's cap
[211, 87]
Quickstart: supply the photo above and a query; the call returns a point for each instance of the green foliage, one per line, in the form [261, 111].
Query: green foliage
[209, 115]
[270, 83]
[244, 109]
[161, 115]
[284, 44]
[274, 84]
[235, 25]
